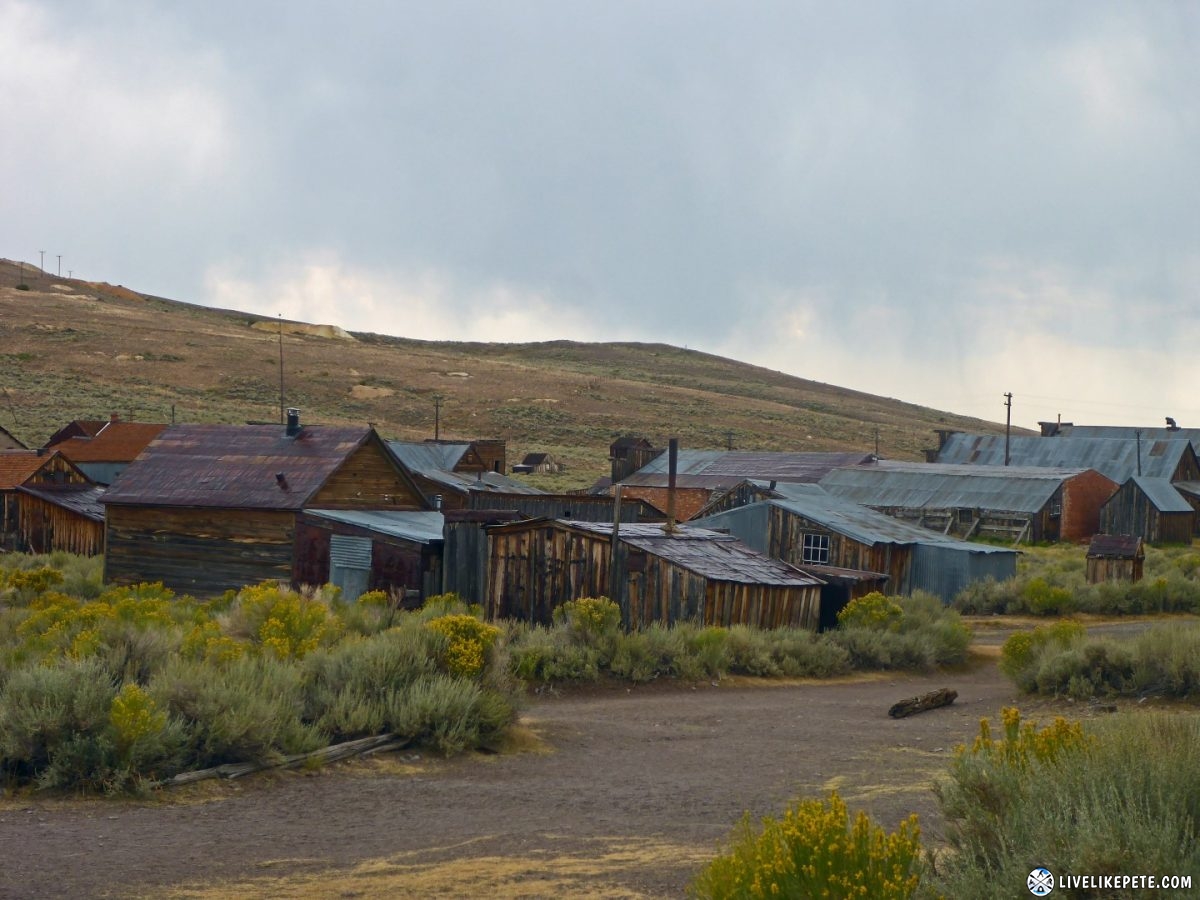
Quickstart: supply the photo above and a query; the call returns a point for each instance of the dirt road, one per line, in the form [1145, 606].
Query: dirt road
[628, 793]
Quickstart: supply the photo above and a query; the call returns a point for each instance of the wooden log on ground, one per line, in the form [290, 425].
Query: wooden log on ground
[332, 753]
[914, 705]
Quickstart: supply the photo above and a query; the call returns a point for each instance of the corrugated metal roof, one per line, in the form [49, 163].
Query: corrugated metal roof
[719, 557]
[487, 482]
[1115, 458]
[411, 525]
[234, 466]
[428, 456]
[81, 499]
[1162, 494]
[1130, 433]
[857, 522]
[17, 466]
[117, 442]
[937, 486]
[725, 468]
[1190, 488]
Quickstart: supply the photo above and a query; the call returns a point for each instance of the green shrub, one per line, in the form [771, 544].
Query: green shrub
[1123, 797]
[873, 611]
[815, 851]
[447, 713]
[549, 655]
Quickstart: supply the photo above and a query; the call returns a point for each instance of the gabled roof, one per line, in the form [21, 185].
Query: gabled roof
[235, 466]
[17, 466]
[428, 456]
[535, 459]
[8, 440]
[1162, 494]
[912, 485]
[726, 468]
[1114, 457]
[77, 428]
[116, 442]
[84, 500]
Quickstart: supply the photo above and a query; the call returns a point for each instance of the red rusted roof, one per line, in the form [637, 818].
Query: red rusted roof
[117, 442]
[1116, 546]
[77, 428]
[16, 466]
[236, 466]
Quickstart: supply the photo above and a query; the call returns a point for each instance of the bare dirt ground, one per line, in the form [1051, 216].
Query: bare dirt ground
[616, 793]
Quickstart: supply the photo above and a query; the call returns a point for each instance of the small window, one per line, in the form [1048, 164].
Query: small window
[816, 549]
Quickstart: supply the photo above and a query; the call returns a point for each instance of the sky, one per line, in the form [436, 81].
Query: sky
[934, 201]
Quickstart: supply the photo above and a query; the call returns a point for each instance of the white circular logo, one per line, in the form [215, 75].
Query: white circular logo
[1040, 882]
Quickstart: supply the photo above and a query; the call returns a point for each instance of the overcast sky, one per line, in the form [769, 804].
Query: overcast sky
[938, 202]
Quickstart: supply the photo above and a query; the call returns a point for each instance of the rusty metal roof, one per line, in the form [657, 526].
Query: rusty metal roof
[116, 442]
[83, 500]
[235, 466]
[16, 466]
[726, 468]
[1117, 458]
[718, 557]
[1115, 546]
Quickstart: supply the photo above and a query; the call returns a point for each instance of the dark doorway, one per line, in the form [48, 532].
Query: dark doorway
[834, 598]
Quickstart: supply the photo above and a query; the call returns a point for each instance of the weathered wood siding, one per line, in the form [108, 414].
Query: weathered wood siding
[1100, 570]
[45, 527]
[1130, 511]
[396, 564]
[367, 479]
[785, 540]
[532, 571]
[198, 551]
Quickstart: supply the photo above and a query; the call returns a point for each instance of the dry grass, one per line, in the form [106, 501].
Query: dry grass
[591, 868]
[105, 349]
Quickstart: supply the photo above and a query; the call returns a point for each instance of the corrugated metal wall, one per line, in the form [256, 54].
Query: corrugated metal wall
[944, 571]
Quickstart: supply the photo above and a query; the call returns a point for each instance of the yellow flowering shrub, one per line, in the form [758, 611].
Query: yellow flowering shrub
[1021, 744]
[815, 851]
[590, 615]
[468, 641]
[134, 716]
[874, 611]
[1019, 650]
[206, 641]
[285, 624]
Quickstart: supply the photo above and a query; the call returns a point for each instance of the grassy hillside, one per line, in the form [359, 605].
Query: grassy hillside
[76, 349]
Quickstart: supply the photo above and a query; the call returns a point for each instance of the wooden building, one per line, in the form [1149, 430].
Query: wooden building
[455, 471]
[628, 454]
[537, 464]
[664, 577]
[106, 454]
[815, 528]
[1016, 503]
[1149, 508]
[399, 552]
[1115, 557]
[207, 508]
[48, 504]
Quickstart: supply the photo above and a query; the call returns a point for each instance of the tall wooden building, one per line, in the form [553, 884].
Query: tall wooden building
[1149, 508]
[207, 508]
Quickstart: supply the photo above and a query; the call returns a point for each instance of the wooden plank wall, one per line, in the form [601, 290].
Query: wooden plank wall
[367, 479]
[1131, 512]
[199, 551]
[45, 527]
[785, 540]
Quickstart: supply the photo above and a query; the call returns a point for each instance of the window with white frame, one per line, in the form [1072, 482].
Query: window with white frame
[816, 548]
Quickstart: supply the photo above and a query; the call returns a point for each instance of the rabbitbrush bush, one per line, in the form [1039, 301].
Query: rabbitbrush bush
[1122, 797]
[814, 850]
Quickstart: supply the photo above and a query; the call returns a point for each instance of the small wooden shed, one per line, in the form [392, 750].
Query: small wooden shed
[1149, 508]
[687, 574]
[48, 504]
[537, 464]
[1115, 557]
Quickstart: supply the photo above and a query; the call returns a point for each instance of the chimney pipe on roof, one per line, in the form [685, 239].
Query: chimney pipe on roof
[293, 422]
[672, 475]
[437, 502]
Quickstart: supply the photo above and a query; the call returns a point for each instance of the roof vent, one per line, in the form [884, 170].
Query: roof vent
[293, 422]
[281, 480]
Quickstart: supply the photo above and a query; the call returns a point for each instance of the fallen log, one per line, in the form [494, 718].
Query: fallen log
[914, 705]
[332, 753]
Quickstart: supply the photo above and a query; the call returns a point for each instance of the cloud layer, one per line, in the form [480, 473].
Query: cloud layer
[932, 202]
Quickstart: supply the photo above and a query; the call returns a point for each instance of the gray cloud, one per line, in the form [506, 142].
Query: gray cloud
[884, 194]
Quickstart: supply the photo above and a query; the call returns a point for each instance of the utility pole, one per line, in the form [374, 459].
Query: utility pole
[437, 417]
[282, 411]
[876, 443]
[42, 264]
[729, 440]
[1007, 423]
[1138, 437]
[60, 265]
